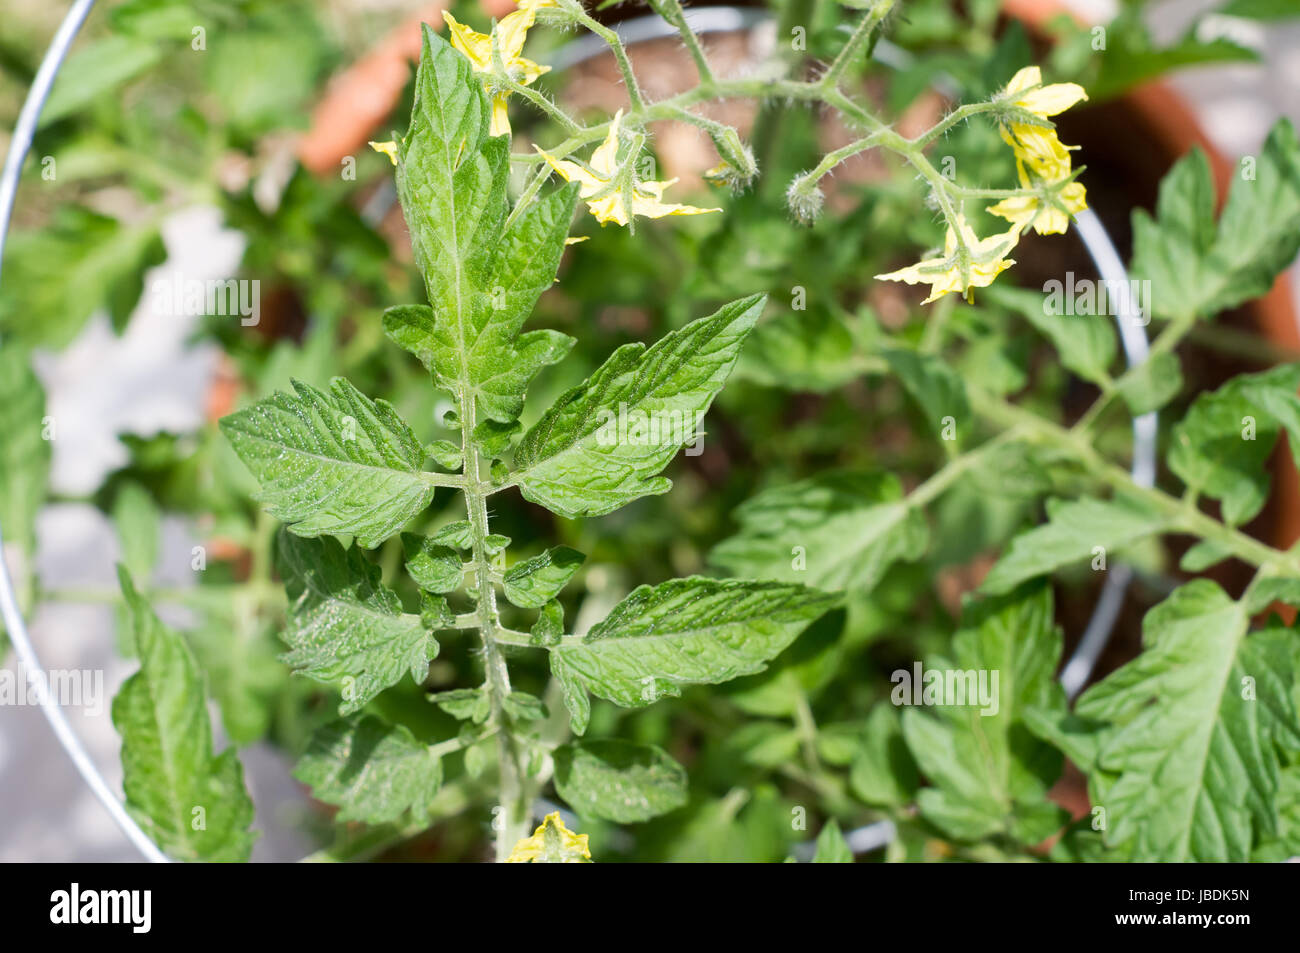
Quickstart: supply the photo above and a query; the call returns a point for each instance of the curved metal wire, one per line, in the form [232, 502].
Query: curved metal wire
[24, 130]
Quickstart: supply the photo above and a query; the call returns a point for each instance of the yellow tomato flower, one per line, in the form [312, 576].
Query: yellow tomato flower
[1050, 216]
[947, 274]
[388, 148]
[604, 198]
[551, 843]
[1039, 145]
[510, 34]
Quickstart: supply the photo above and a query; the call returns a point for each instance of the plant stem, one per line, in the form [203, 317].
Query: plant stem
[866, 26]
[512, 822]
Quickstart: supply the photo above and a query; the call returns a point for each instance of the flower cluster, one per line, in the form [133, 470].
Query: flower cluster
[1050, 195]
[615, 197]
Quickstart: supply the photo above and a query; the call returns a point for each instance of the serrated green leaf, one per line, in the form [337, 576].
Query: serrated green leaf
[192, 804]
[138, 522]
[1223, 444]
[336, 463]
[1152, 384]
[374, 772]
[524, 707]
[343, 627]
[1198, 268]
[1074, 529]
[587, 456]
[1192, 729]
[434, 567]
[57, 276]
[989, 774]
[1268, 589]
[534, 582]
[549, 626]
[458, 535]
[481, 277]
[832, 848]
[935, 387]
[1085, 343]
[883, 773]
[1203, 555]
[797, 674]
[618, 780]
[24, 453]
[684, 631]
[836, 530]
[464, 703]
[446, 454]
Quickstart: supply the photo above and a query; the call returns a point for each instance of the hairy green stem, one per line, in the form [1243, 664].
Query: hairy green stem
[511, 822]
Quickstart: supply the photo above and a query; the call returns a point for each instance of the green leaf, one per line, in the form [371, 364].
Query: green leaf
[24, 452]
[839, 530]
[680, 632]
[446, 454]
[192, 804]
[56, 277]
[332, 463]
[245, 677]
[1192, 728]
[883, 772]
[549, 626]
[471, 704]
[138, 522]
[434, 567]
[375, 772]
[458, 535]
[1196, 268]
[832, 848]
[482, 278]
[1085, 343]
[604, 443]
[801, 351]
[935, 387]
[344, 628]
[989, 773]
[1074, 529]
[1152, 384]
[1265, 590]
[1223, 444]
[534, 582]
[95, 70]
[619, 781]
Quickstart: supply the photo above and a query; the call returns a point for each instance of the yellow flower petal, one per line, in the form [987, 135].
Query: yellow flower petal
[500, 125]
[945, 275]
[512, 31]
[1044, 100]
[588, 184]
[387, 148]
[476, 47]
[551, 843]
[605, 158]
